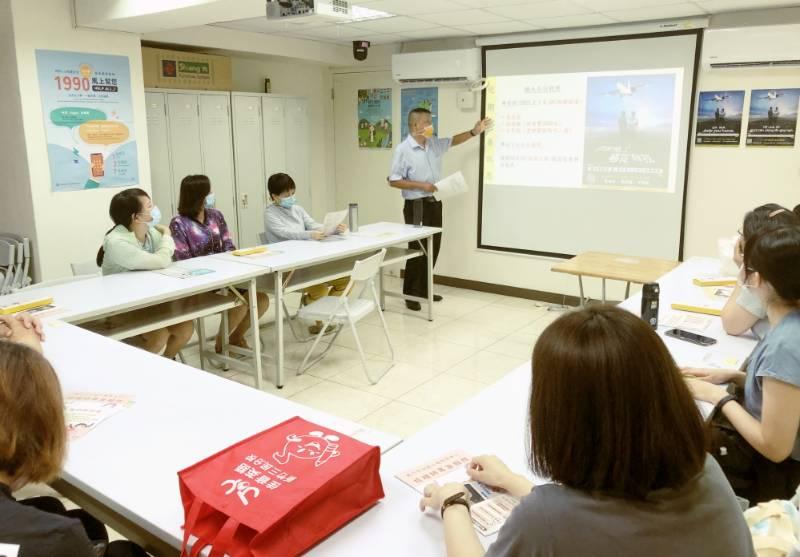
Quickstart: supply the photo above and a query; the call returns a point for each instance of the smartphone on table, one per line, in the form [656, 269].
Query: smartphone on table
[694, 338]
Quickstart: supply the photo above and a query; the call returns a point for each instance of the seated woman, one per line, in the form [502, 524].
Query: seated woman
[200, 230]
[285, 220]
[756, 438]
[743, 311]
[614, 428]
[137, 242]
[32, 445]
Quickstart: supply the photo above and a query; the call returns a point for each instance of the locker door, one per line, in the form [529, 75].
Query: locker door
[274, 111]
[184, 139]
[248, 148]
[217, 151]
[158, 145]
[298, 158]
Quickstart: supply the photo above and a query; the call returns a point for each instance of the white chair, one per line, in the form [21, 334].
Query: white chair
[7, 266]
[341, 309]
[84, 268]
[22, 254]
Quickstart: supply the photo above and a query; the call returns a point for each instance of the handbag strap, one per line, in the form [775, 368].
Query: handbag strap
[191, 521]
[224, 539]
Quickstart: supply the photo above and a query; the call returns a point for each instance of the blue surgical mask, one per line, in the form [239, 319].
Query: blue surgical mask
[288, 202]
[155, 213]
[210, 202]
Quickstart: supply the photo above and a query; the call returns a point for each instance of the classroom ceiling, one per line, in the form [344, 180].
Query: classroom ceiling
[434, 19]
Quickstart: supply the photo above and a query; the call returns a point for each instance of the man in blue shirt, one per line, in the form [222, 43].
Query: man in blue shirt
[416, 167]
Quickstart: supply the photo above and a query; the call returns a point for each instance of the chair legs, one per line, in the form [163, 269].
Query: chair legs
[306, 365]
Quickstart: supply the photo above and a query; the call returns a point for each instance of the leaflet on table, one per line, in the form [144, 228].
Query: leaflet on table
[453, 185]
[489, 509]
[182, 273]
[84, 411]
[686, 321]
[332, 220]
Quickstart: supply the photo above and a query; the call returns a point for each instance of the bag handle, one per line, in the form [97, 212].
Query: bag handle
[191, 521]
[224, 538]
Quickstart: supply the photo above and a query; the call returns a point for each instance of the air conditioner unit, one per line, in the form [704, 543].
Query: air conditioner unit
[743, 47]
[438, 66]
[305, 11]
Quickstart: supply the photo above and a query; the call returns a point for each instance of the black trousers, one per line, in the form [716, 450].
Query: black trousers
[95, 530]
[415, 282]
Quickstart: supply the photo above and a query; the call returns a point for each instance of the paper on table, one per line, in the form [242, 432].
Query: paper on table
[332, 220]
[84, 411]
[453, 185]
[690, 321]
[489, 509]
[181, 272]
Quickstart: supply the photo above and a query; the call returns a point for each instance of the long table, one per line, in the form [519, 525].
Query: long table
[125, 470]
[495, 422]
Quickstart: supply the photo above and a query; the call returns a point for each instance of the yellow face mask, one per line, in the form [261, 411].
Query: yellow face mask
[427, 131]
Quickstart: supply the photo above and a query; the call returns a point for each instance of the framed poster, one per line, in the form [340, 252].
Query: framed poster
[88, 112]
[375, 118]
[773, 117]
[421, 97]
[719, 118]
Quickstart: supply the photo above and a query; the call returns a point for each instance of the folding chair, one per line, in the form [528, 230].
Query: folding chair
[84, 268]
[7, 265]
[341, 310]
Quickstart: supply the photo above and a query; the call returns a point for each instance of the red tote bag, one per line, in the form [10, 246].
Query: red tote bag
[279, 492]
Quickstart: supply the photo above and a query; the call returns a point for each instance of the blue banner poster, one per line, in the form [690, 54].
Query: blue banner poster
[773, 117]
[421, 97]
[375, 118]
[719, 118]
[88, 112]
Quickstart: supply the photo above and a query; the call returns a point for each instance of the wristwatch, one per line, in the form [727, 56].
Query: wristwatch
[472, 132]
[459, 498]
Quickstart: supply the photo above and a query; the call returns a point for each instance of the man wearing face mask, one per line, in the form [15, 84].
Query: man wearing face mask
[416, 166]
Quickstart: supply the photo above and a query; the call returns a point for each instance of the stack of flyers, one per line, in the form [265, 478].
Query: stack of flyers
[84, 411]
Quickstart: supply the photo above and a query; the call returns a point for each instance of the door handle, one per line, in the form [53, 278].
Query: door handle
[244, 201]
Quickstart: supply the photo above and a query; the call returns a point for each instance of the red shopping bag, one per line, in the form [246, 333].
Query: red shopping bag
[279, 492]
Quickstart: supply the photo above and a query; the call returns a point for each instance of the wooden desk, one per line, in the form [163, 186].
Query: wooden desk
[612, 266]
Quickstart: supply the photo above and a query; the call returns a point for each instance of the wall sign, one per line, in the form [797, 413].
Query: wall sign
[719, 118]
[773, 117]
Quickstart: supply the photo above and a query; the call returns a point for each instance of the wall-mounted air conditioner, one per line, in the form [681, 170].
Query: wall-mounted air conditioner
[439, 66]
[743, 47]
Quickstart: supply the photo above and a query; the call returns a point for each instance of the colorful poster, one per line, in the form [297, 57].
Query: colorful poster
[375, 118]
[773, 117]
[422, 97]
[86, 102]
[719, 118]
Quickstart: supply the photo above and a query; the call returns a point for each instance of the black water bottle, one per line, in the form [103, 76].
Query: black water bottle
[650, 294]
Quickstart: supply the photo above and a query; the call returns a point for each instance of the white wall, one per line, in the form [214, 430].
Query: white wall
[723, 183]
[16, 205]
[69, 226]
[302, 79]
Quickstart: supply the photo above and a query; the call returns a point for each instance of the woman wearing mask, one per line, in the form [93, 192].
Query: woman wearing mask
[743, 310]
[615, 429]
[137, 242]
[199, 229]
[756, 437]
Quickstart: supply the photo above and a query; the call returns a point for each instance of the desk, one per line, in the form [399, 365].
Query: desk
[493, 422]
[102, 296]
[640, 270]
[125, 470]
[285, 257]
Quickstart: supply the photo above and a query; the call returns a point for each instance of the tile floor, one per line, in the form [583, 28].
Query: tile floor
[474, 340]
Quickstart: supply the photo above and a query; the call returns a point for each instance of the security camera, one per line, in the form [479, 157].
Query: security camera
[360, 49]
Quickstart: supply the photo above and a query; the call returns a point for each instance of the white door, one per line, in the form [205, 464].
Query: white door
[298, 152]
[158, 145]
[248, 148]
[217, 153]
[274, 111]
[184, 136]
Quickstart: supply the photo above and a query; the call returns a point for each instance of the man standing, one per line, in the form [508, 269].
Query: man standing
[416, 166]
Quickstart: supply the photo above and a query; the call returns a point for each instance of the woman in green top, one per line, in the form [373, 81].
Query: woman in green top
[139, 243]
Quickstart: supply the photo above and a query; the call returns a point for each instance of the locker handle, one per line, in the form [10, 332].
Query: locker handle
[244, 201]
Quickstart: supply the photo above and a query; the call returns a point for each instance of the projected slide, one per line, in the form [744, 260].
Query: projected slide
[597, 130]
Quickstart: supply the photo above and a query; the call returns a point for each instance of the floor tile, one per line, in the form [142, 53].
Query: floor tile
[504, 318]
[442, 393]
[400, 419]
[435, 354]
[485, 367]
[399, 380]
[340, 400]
[515, 346]
[467, 333]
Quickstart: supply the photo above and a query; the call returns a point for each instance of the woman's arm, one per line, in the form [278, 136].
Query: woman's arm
[183, 249]
[225, 235]
[736, 320]
[308, 222]
[459, 534]
[274, 224]
[132, 257]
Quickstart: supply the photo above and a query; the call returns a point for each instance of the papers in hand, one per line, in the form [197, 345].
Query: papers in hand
[84, 411]
[453, 185]
[489, 509]
[332, 221]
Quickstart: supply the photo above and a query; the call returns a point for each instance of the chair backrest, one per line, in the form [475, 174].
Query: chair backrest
[84, 268]
[365, 269]
[262, 238]
[54, 282]
[8, 265]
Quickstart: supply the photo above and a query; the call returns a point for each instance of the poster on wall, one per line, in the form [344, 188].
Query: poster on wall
[421, 97]
[773, 117]
[88, 112]
[719, 118]
[375, 118]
